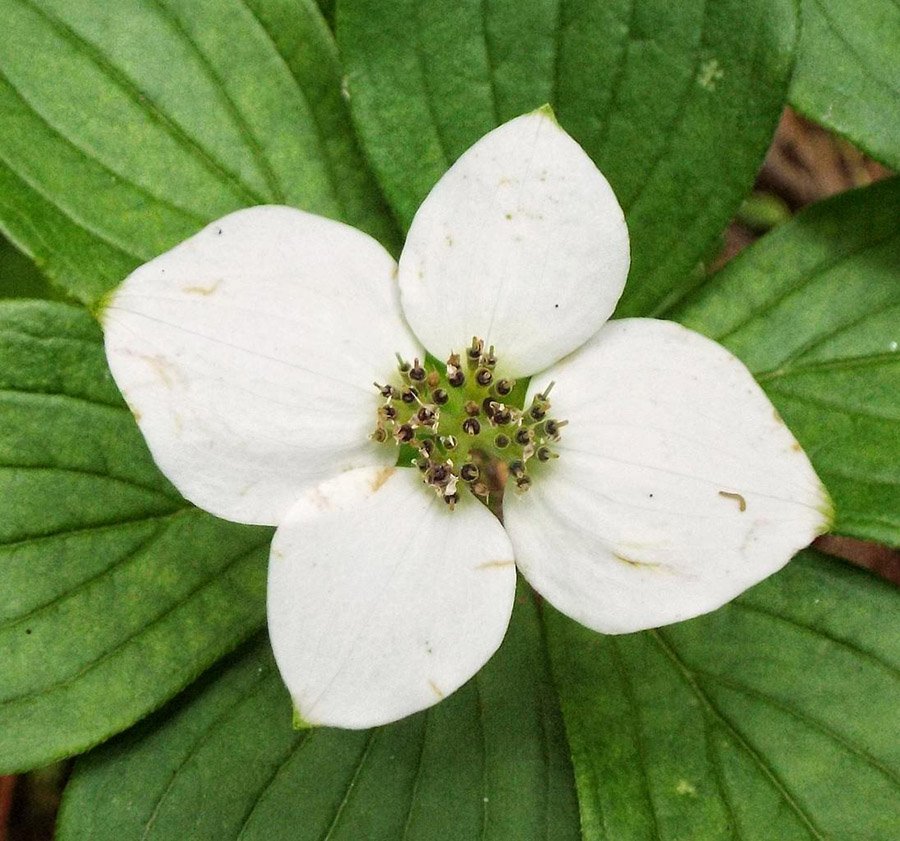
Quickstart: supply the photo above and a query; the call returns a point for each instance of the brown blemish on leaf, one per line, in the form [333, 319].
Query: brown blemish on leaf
[436, 689]
[381, 477]
[632, 562]
[742, 503]
[495, 564]
[202, 290]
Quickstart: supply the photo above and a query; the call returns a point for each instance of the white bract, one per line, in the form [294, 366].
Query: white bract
[248, 353]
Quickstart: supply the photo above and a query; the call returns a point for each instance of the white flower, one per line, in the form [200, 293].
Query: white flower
[248, 352]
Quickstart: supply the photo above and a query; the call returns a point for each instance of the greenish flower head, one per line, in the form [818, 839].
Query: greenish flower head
[464, 425]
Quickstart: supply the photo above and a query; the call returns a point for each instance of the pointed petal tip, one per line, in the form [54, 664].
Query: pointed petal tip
[298, 722]
[546, 111]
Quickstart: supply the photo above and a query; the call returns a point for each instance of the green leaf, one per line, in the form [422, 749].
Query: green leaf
[813, 310]
[145, 119]
[116, 593]
[772, 719]
[19, 277]
[490, 762]
[676, 103]
[848, 72]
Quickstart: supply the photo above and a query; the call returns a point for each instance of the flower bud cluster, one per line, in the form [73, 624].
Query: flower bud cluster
[461, 425]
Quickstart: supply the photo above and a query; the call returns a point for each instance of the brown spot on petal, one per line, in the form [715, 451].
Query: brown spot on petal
[202, 290]
[436, 689]
[742, 503]
[381, 477]
[634, 563]
[495, 564]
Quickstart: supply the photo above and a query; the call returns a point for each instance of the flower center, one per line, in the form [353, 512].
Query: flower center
[463, 427]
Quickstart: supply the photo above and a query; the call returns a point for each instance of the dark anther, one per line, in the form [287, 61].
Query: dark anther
[379, 435]
[517, 468]
[449, 442]
[501, 442]
[502, 415]
[425, 415]
[471, 409]
[552, 427]
[405, 433]
[440, 396]
[473, 354]
[389, 412]
[484, 376]
[456, 377]
[544, 454]
[504, 387]
[386, 390]
[471, 426]
[489, 359]
[451, 499]
[523, 436]
[468, 472]
[440, 474]
[536, 412]
[523, 483]
[409, 395]
[426, 446]
[417, 372]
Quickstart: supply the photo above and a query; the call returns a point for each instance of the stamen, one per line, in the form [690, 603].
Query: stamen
[483, 376]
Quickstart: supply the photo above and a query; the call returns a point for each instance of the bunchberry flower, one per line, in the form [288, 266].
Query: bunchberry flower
[286, 371]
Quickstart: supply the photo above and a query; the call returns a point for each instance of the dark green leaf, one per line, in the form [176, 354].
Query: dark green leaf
[813, 310]
[116, 593]
[19, 277]
[676, 102]
[848, 72]
[488, 763]
[773, 718]
[142, 120]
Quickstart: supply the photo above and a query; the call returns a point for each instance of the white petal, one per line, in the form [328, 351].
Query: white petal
[381, 600]
[248, 352]
[521, 243]
[677, 487]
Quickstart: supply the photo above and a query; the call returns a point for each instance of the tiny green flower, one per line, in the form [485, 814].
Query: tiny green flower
[397, 424]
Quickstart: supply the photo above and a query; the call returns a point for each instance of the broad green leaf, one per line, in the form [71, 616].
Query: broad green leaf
[116, 593]
[675, 102]
[20, 278]
[142, 120]
[848, 72]
[813, 310]
[772, 719]
[490, 763]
